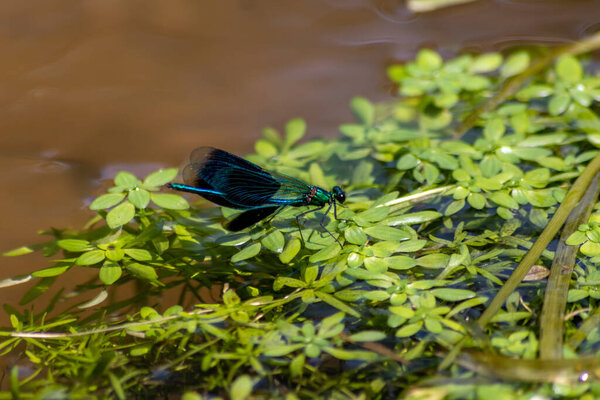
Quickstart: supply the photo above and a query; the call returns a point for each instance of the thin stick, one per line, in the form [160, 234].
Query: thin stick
[571, 200]
[557, 288]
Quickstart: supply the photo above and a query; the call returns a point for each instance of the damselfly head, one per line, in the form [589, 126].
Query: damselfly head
[338, 194]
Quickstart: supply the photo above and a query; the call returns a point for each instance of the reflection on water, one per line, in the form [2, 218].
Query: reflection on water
[92, 87]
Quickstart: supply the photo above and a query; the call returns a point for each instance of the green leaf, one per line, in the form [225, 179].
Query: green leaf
[409, 330]
[510, 316]
[413, 218]
[120, 215]
[139, 254]
[454, 207]
[161, 177]
[233, 239]
[312, 350]
[127, 180]
[401, 262]
[540, 198]
[291, 249]
[577, 295]
[486, 63]
[90, 257]
[504, 199]
[488, 183]
[433, 325]
[354, 131]
[265, 149]
[326, 253]
[396, 72]
[531, 153]
[282, 350]
[590, 248]
[387, 233]
[19, 251]
[355, 260]
[368, 336]
[569, 69]
[375, 264]
[436, 260]
[116, 385]
[374, 295]
[494, 129]
[450, 294]
[274, 241]
[107, 201]
[169, 201]
[139, 198]
[363, 274]
[74, 245]
[363, 173]
[310, 273]
[355, 235]
[374, 214]
[583, 96]
[282, 281]
[246, 253]
[559, 103]
[538, 177]
[476, 200]
[539, 217]
[543, 140]
[340, 305]
[429, 60]
[231, 298]
[460, 175]
[317, 177]
[504, 213]
[411, 246]
[51, 271]
[109, 273]
[272, 136]
[576, 238]
[331, 324]
[342, 354]
[142, 271]
[407, 161]
[446, 99]
[241, 388]
[515, 64]
[490, 166]
[294, 131]
[115, 254]
[363, 110]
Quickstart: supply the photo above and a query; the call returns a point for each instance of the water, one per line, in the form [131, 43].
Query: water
[88, 88]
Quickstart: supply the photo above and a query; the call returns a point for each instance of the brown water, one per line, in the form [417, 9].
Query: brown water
[91, 87]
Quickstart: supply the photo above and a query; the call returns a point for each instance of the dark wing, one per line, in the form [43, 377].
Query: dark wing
[250, 217]
[237, 183]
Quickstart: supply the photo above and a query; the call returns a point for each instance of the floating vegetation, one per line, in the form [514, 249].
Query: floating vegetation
[454, 192]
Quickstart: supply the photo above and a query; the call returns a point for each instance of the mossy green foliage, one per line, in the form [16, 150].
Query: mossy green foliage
[432, 225]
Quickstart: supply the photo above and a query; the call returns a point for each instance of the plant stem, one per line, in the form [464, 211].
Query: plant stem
[557, 288]
[570, 201]
[418, 196]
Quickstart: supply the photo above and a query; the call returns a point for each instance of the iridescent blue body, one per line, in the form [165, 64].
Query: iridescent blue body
[230, 181]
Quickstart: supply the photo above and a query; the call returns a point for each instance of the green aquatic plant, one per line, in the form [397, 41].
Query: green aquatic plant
[454, 190]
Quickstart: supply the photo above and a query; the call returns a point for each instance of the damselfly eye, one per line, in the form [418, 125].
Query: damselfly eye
[338, 194]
